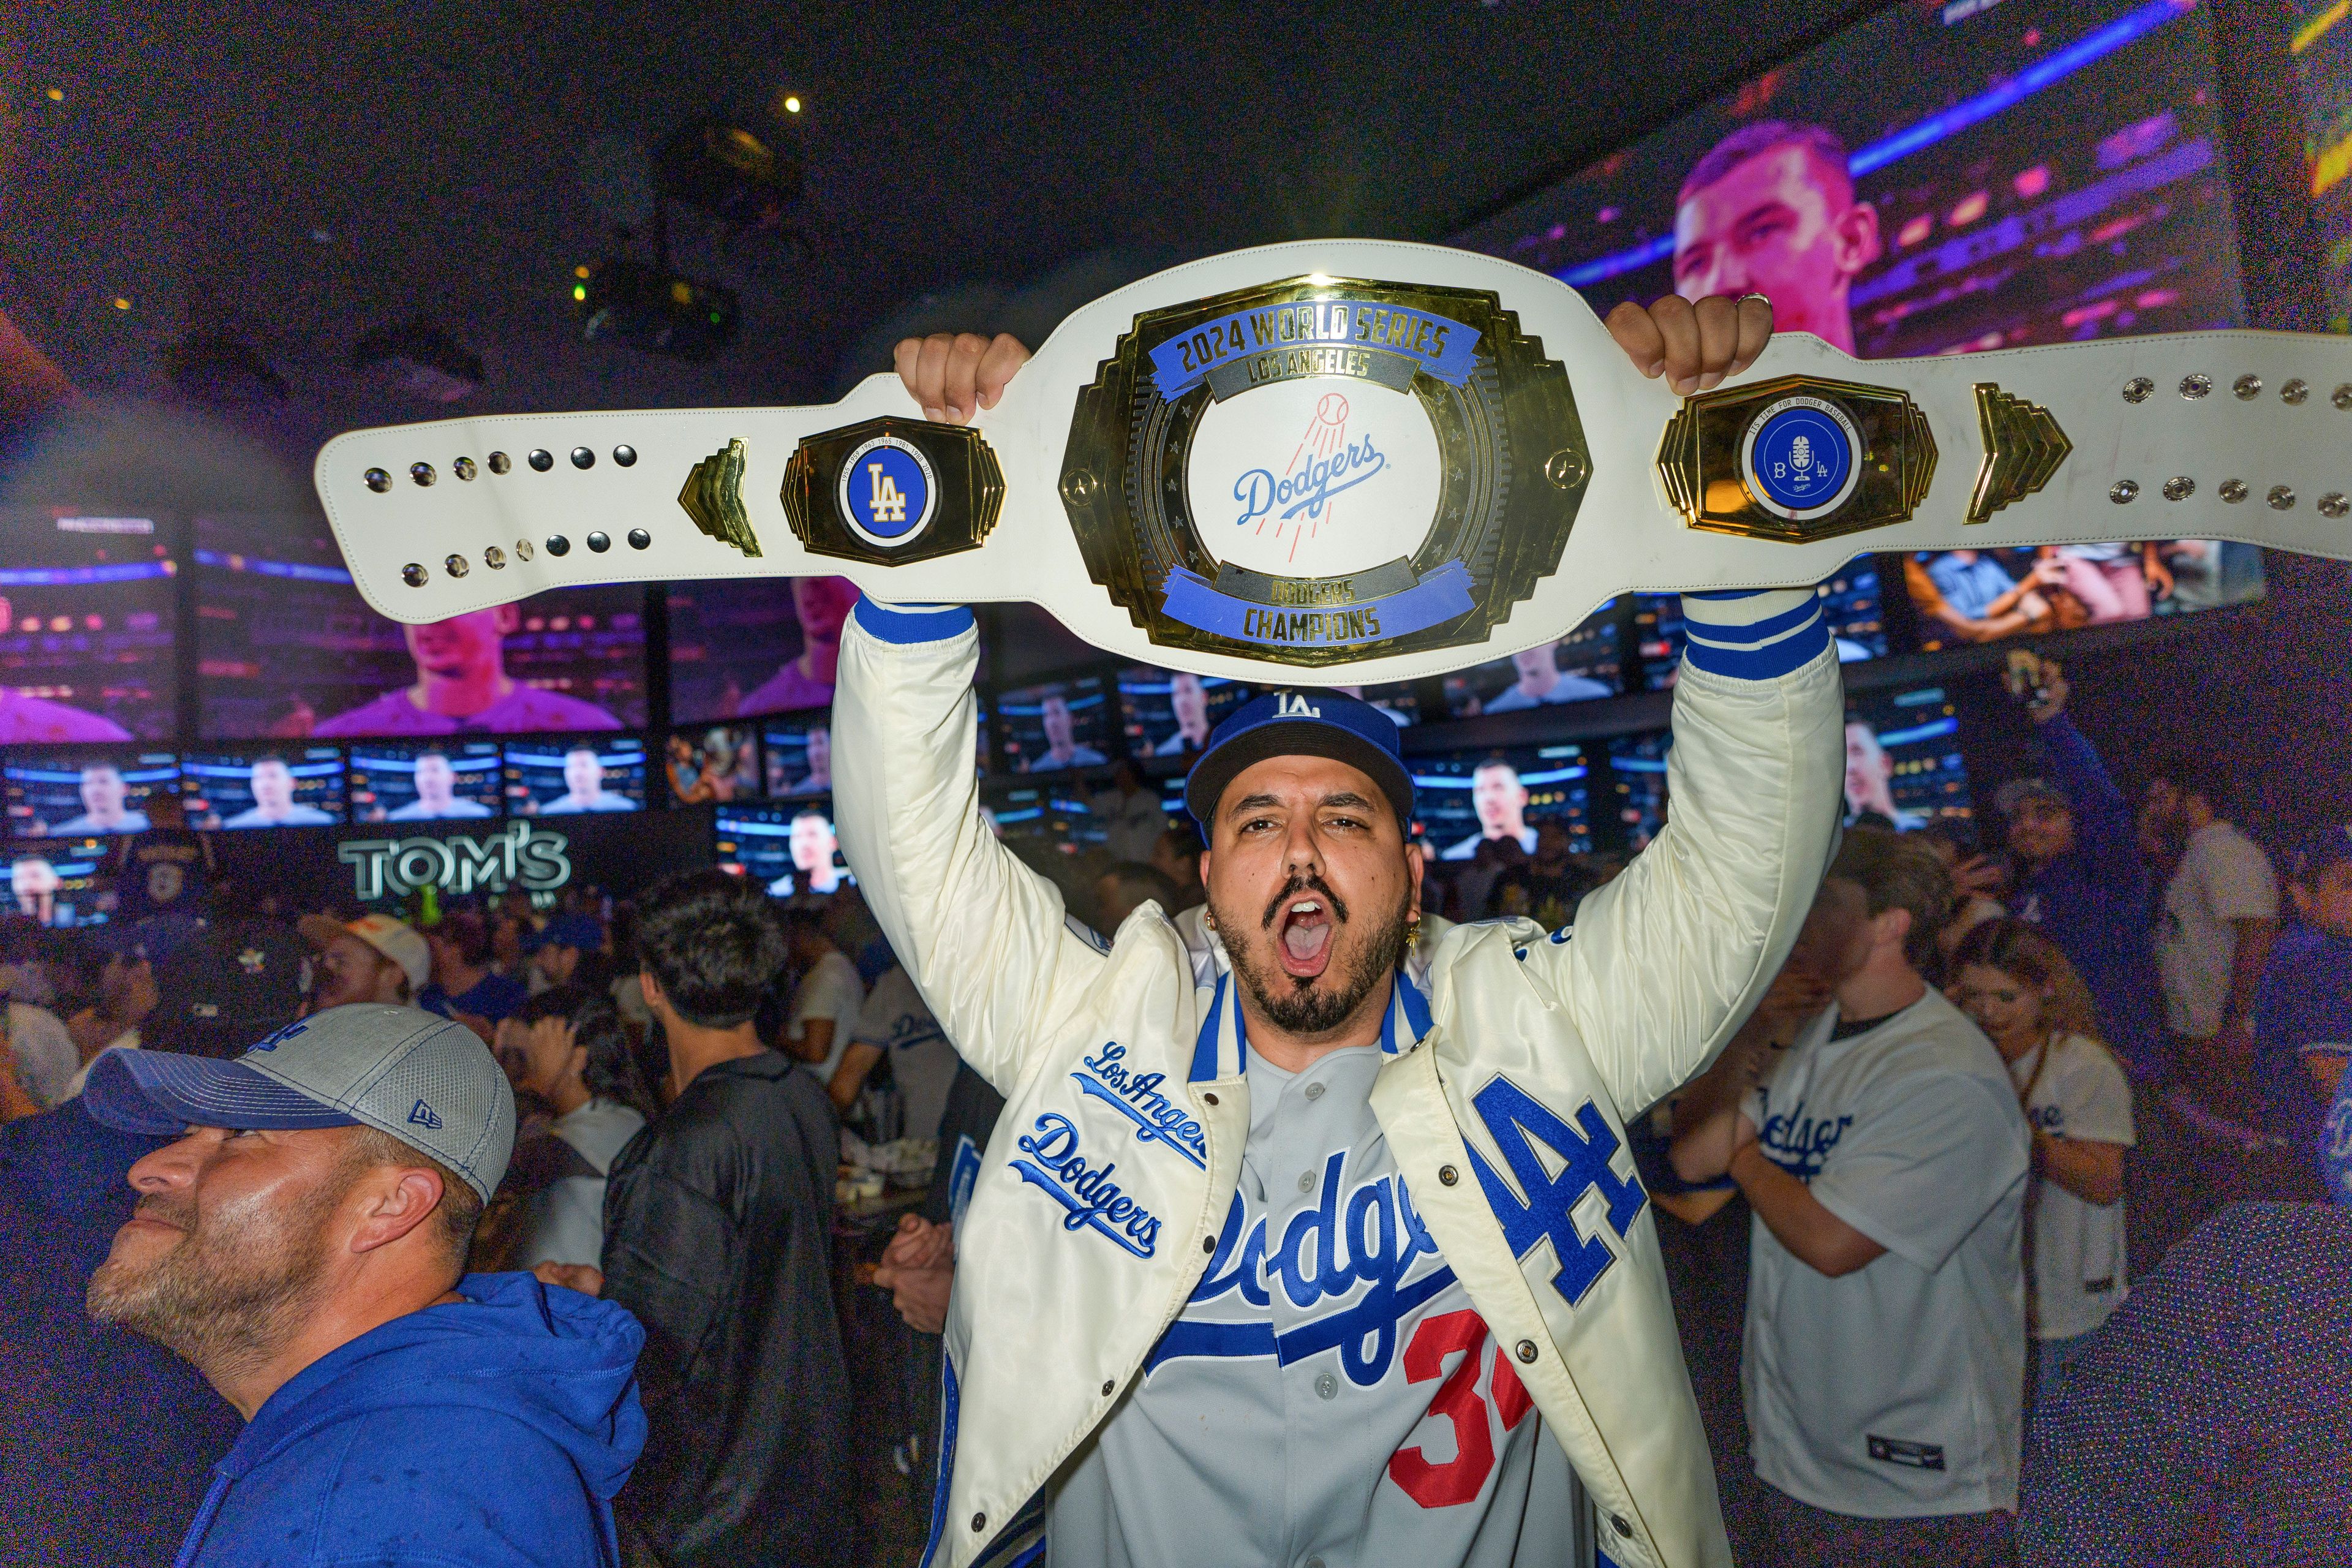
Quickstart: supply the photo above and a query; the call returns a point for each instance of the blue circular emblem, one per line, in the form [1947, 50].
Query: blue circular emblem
[887, 492]
[1800, 456]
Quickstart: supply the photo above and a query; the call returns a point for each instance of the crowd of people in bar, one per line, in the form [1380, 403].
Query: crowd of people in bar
[1984, 1144]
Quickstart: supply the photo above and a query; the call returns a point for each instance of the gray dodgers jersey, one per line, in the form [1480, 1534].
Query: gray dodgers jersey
[1328, 1395]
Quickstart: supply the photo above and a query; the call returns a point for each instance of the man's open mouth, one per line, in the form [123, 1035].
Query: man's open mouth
[1304, 936]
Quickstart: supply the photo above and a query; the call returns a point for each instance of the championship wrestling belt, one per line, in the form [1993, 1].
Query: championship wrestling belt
[1363, 462]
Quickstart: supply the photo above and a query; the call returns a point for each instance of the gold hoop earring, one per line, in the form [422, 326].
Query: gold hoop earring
[1207, 920]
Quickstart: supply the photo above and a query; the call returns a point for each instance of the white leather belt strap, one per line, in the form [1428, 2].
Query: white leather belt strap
[1363, 462]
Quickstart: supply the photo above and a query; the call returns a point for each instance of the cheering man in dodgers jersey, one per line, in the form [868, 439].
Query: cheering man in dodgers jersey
[1339, 1257]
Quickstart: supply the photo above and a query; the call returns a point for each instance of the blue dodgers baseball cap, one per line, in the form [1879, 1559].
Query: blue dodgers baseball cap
[583, 932]
[427, 1081]
[1300, 723]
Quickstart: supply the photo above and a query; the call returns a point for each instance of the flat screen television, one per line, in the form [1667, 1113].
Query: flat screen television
[88, 629]
[263, 786]
[787, 849]
[799, 753]
[59, 882]
[1170, 713]
[709, 762]
[67, 791]
[2030, 172]
[1902, 759]
[1465, 797]
[744, 649]
[1585, 666]
[426, 781]
[286, 649]
[561, 776]
[1056, 726]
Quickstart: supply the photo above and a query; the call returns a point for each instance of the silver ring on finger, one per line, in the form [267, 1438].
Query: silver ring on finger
[1752, 294]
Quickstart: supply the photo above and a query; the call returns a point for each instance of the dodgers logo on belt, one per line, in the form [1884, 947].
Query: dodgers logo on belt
[1800, 456]
[1321, 470]
[887, 492]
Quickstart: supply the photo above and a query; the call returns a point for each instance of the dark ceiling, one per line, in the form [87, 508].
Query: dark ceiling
[295, 173]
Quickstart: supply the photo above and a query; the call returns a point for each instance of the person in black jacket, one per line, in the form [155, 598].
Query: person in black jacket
[717, 1225]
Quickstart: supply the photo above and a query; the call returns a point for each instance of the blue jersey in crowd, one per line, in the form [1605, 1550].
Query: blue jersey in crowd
[2305, 1003]
[2094, 900]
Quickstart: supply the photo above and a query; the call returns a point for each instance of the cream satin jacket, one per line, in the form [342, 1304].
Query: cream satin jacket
[1516, 1064]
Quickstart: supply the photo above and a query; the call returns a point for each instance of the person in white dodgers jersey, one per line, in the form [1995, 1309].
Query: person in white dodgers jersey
[1334, 1255]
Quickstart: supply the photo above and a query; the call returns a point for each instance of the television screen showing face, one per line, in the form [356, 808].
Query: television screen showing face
[1170, 713]
[1582, 667]
[1983, 596]
[712, 762]
[58, 881]
[2033, 171]
[1467, 798]
[1062, 724]
[426, 781]
[1639, 764]
[787, 849]
[286, 649]
[744, 649]
[87, 621]
[583, 773]
[78, 792]
[800, 754]
[1850, 604]
[254, 786]
[2321, 46]
[2036, 171]
[1902, 759]
[1043, 814]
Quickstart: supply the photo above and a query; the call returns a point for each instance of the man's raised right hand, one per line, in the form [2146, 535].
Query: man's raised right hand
[954, 376]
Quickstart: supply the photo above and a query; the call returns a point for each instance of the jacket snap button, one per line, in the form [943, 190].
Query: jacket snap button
[1108, 1385]
[1448, 1175]
[1617, 1522]
[979, 1521]
[1210, 1097]
[1527, 1349]
[1209, 1245]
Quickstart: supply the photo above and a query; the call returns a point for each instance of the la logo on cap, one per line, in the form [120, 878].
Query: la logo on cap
[1293, 705]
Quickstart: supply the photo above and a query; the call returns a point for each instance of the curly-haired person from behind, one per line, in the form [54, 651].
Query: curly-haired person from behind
[716, 1237]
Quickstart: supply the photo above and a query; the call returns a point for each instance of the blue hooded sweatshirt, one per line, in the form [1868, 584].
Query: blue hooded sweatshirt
[2097, 901]
[491, 1433]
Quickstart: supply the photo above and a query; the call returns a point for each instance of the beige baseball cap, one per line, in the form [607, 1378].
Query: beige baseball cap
[396, 939]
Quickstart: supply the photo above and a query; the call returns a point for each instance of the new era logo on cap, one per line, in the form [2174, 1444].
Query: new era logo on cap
[273, 1041]
[421, 1115]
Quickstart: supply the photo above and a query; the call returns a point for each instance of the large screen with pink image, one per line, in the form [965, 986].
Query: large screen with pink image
[286, 648]
[1944, 178]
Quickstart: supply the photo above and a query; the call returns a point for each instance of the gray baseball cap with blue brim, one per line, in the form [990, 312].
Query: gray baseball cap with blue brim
[418, 1076]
